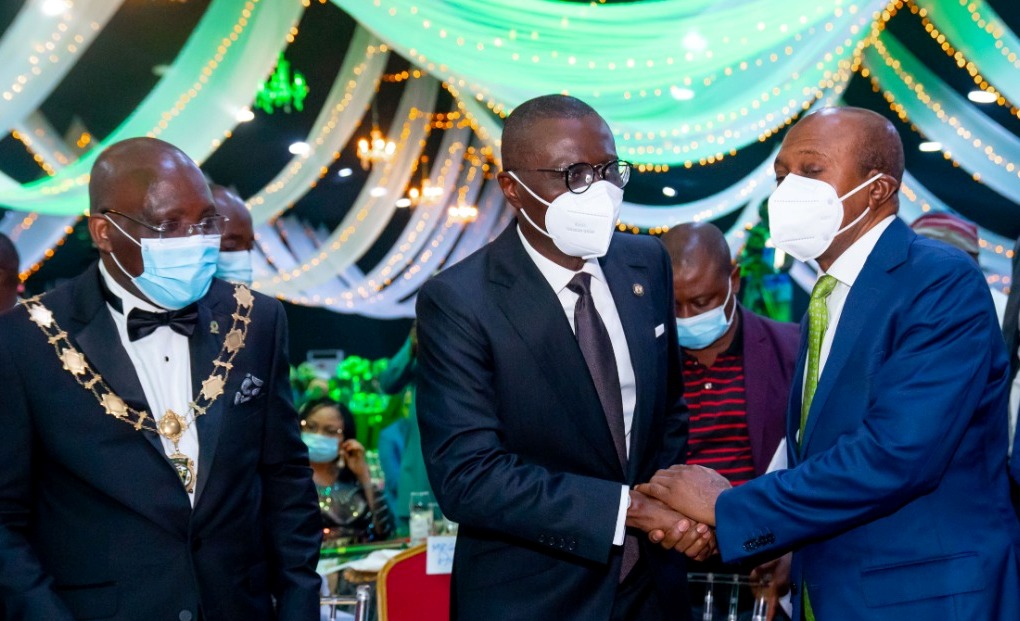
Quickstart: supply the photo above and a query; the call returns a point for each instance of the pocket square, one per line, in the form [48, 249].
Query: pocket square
[660, 330]
[251, 386]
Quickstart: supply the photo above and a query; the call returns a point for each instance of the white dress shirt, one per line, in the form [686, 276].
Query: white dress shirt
[558, 277]
[162, 362]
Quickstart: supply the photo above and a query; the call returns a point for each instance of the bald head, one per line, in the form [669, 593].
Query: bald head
[872, 139]
[521, 128]
[9, 280]
[130, 175]
[699, 246]
[237, 231]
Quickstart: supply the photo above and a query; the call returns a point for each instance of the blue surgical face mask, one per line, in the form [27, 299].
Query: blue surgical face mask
[235, 266]
[700, 331]
[175, 271]
[321, 449]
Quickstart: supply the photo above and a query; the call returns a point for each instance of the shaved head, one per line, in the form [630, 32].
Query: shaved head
[700, 245]
[875, 141]
[128, 174]
[519, 129]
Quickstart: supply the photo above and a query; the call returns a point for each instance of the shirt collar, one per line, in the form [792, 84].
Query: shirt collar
[847, 267]
[556, 275]
[128, 299]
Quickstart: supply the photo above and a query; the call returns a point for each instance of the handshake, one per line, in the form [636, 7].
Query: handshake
[677, 509]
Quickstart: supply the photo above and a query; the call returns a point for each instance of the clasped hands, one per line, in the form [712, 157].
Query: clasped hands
[677, 509]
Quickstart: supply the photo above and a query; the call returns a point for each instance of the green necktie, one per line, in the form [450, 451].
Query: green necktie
[818, 322]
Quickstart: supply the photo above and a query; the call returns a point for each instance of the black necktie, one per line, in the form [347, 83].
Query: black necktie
[141, 323]
[597, 349]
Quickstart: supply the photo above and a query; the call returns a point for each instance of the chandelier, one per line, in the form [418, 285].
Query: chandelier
[376, 148]
[463, 214]
[426, 193]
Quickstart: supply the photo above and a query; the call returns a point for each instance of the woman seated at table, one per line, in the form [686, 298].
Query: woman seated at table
[353, 511]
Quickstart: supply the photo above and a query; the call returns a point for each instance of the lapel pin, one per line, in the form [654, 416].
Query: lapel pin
[638, 289]
[214, 327]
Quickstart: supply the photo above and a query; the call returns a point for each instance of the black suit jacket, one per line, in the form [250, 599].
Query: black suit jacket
[515, 440]
[94, 521]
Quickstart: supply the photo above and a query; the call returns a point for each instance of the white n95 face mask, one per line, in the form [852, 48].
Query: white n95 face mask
[805, 214]
[581, 225]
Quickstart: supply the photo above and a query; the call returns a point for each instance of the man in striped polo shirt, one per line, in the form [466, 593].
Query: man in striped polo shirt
[737, 366]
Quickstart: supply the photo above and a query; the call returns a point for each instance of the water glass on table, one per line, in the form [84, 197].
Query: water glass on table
[423, 510]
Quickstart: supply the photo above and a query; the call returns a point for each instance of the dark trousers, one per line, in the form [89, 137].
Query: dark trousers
[636, 597]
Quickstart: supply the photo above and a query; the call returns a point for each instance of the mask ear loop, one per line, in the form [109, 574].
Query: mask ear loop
[113, 256]
[863, 213]
[538, 198]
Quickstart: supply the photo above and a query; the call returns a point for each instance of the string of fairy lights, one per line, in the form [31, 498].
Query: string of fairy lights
[811, 57]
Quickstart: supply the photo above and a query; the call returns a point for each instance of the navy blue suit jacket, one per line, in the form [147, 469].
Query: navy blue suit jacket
[516, 443]
[94, 521]
[1011, 333]
[897, 501]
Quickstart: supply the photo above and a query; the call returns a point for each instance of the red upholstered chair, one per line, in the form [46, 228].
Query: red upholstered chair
[406, 593]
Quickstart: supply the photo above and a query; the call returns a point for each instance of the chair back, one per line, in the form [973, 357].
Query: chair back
[406, 593]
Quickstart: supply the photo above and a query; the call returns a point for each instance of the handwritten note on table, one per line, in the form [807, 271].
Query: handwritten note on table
[439, 555]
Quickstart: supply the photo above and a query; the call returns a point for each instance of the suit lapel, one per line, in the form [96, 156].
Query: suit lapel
[204, 347]
[94, 332]
[92, 328]
[797, 398]
[861, 308]
[637, 315]
[531, 306]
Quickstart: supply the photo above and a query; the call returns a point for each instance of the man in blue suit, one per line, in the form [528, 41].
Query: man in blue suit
[549, 384]
[896, 503]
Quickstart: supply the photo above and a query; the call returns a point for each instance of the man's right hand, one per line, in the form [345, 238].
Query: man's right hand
[678, 532]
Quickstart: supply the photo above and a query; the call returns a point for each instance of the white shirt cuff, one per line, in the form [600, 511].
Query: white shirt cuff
[621, 517]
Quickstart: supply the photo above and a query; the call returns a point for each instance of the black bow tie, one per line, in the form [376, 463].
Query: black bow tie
[142, 323]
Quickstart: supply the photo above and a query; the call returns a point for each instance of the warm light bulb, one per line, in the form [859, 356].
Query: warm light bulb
[53, 8]
[930, 146]
[981, 97]
[300, 148]
[244, 115]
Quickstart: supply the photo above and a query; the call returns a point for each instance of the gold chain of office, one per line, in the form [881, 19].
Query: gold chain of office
[171, 425]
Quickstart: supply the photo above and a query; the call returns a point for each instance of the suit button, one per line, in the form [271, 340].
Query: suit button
[793, 588]
[572, 545]
[185, 615]
[541, 538]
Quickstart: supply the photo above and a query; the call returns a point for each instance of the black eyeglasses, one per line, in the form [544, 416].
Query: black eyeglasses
[580, 175]
[210, 225]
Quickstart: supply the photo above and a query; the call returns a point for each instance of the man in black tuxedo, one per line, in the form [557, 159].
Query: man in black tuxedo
[153, 467]
[550, 383]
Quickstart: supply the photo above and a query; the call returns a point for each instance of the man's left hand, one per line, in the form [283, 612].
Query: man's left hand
[690, 490]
